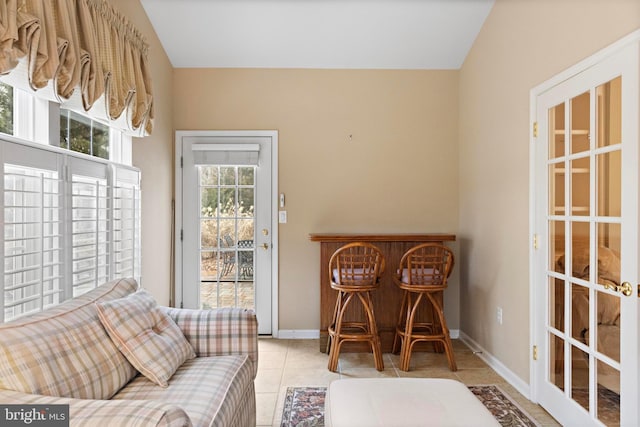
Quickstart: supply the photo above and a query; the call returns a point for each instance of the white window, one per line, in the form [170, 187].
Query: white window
[71, 214]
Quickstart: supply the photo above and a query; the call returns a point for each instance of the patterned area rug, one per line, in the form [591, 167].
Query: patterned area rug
[304, 407]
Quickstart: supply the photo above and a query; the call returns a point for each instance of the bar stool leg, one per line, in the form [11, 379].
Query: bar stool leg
[372, 330]
[400, 325]
[336, 308]
[335, 330]
[446, 339]
[407, 344]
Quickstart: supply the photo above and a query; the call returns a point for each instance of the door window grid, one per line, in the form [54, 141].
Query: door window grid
[103, 242]
[227, 217]
[592, 216]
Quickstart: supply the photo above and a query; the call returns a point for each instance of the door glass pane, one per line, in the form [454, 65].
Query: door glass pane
[608, 397]
[580, 249]
[579, 312]
[608, 253]
[580, 123]
[227, 236]
[209, 175]
[208, 234]
[609, 183]
[609, 112]
[556, 246]
[227, 175]
[556, 303]
[556, 361]
[580, 377]
[246, 175]
[556, 189]
[608, 312]
[557, 131]
[580, 190]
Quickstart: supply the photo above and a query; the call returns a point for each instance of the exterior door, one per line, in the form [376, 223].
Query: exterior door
[585, 270]
[226, 223]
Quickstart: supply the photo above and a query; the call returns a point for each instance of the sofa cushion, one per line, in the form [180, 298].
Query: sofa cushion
[64, 351]
[213, 391]
[147, 336]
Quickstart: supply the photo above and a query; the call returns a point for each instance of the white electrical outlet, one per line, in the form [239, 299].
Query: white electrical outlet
[499, 315]
[282, 217]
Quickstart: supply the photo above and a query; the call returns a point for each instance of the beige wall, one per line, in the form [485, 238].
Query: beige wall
[415, 135]
[398, 173]
[154, 156]
[522, 44]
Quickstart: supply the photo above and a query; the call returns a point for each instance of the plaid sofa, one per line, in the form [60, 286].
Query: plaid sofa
[63, 355]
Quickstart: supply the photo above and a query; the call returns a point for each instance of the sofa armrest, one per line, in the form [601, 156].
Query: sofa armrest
[219, 332]
[121, 413]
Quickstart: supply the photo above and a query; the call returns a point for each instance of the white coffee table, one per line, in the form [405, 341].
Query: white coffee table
[404, 402]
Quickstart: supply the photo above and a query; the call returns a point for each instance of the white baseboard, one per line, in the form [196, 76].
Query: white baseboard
[454, 334]
[497, 366]
[298, 334]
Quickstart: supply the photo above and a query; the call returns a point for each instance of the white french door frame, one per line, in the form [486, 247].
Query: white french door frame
[178, 272]
[537, 304]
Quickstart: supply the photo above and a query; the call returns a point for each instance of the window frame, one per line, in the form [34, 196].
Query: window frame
[37, 120]
[36, 135]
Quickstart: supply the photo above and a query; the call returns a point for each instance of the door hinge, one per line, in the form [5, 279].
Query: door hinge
[535, 352]
[181, 234]
[181, 161]
[535, 241]
[535, 129]
[181, 304]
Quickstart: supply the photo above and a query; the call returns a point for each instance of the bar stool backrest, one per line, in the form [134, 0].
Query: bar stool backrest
[428, 264]
[356, 264]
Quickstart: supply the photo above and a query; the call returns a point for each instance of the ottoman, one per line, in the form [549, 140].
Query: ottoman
[401, 402]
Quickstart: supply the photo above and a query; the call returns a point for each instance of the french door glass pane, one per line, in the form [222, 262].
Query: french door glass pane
[609, 97]
[556, 361]
[580, 189]
[556, 137]
[608, 396]
[580, 377]
[580, 135]
[556, 303]
[609, 183]
[556, 188]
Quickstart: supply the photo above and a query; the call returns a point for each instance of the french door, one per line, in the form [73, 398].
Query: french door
[226, 222]
[585, 267]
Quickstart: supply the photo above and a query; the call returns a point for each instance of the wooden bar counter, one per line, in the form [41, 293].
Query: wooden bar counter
[386, 299]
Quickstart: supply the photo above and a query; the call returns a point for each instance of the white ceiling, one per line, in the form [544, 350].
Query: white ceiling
[381, 34]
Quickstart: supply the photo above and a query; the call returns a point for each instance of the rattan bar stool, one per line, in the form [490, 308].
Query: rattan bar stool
[355, 271]
[422, 275]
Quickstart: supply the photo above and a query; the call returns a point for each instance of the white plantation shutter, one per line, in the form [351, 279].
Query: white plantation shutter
[70, 223]
[90, 242]
[126, 222]
[33, 231]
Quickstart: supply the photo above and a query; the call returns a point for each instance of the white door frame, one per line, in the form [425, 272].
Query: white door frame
[535, 304]
[273, 134]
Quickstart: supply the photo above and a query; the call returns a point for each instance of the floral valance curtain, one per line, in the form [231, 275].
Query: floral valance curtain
[83, 45]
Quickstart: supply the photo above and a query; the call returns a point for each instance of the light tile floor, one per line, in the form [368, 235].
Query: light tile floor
[299, 363]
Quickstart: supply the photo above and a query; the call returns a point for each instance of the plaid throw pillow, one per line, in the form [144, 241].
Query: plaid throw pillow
[148, 337]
